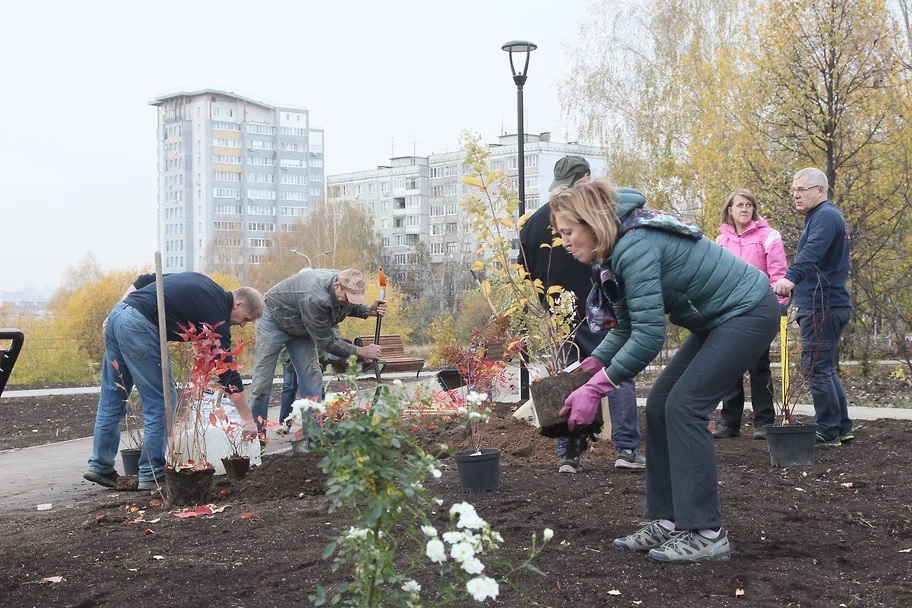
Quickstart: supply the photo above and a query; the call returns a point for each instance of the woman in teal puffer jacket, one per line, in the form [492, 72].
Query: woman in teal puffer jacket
[648, 264]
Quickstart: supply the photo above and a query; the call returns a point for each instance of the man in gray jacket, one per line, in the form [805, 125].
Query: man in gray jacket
[300, 314]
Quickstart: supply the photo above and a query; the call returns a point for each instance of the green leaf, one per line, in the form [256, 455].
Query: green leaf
[329, 550]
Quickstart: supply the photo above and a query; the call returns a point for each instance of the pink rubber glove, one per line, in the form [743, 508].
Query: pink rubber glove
[591, 364]
[583, 403]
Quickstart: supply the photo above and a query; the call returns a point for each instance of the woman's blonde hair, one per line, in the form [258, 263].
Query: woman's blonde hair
[593, 204]
[727, 209]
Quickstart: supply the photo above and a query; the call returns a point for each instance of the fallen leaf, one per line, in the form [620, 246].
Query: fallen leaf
[45, 506]
[148, 532]
[614, 592]
[906, 550]
[250, 516]
[223, 494]
[800, 490]
[847, 484]
[739, 592]
[52, 579]
[154, 502]
[158, 557]
[203, 511]
[185, 514]
[154, 521]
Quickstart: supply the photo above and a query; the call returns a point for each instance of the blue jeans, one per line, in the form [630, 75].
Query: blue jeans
[270, 338]
[681, 478]
[289, 391]
[820, 333]
[133, 342]
[625, 429]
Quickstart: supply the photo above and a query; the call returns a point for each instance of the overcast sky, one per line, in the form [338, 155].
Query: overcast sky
[77, 136]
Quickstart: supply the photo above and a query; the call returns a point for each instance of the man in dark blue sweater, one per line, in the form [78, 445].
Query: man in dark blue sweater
[133, 358]
[818, 277]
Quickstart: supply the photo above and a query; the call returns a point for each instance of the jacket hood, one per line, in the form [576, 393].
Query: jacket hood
[629, 199]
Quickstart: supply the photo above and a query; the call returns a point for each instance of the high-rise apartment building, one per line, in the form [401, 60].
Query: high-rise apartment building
[417, 199]
[232, 172]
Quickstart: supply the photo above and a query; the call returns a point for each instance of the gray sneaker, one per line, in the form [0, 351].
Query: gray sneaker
[570, 465]
[629, 459]
[690, 547]
[650, 536]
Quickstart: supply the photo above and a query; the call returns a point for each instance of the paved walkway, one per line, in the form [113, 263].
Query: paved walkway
[52, 473]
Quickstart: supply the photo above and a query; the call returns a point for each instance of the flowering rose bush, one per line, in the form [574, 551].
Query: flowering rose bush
[376, 470]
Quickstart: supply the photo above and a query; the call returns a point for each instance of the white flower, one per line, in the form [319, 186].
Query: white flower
[462, 507]
[548, 534]
[468, 518]
[411, 586]
[438, 501]
[435, 551]
[472, 565]
[429, 530]
[476, 398]
[454, 537]
[482, 588]
[434, 471]
[357, 532]
[476, 416]
[462, 409]
[462, 551]
[397, 382]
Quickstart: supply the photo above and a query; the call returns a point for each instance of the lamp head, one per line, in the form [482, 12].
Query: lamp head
[520, 50]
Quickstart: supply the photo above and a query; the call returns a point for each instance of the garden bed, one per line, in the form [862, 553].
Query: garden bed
[823, 536]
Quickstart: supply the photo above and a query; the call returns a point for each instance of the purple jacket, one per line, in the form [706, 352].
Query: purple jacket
[759, 245]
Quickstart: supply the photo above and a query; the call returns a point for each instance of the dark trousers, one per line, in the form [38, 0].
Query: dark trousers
[681, 477]
[820, 333]
[289, 391]
[761, 380]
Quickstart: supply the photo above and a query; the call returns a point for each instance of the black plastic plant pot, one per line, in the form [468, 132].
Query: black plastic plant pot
[450, 379]
[791, 445]
[479, 471]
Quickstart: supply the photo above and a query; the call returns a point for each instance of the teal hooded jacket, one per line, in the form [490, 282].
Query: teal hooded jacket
[697, 283]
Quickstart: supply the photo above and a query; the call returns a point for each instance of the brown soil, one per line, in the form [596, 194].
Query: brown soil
[831, 534]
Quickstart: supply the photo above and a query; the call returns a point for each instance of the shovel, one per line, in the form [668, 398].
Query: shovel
[382, 296]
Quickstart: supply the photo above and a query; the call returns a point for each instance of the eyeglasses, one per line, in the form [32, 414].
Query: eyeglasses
[805, 189]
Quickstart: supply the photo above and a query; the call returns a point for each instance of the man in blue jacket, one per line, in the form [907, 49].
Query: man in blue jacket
[818, 277]
[133, 358]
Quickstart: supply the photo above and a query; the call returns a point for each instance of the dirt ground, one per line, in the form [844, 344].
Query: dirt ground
[838, 533]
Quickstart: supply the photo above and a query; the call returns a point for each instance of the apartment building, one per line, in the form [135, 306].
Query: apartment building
[232, 171]
[417, 199]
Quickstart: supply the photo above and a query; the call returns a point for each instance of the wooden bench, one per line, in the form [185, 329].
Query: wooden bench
[393, 355]
[9, 354]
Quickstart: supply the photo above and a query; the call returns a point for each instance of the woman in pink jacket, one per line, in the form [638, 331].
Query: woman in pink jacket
[748, 236]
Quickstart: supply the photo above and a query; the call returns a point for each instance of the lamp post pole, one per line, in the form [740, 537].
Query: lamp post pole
[522, 49]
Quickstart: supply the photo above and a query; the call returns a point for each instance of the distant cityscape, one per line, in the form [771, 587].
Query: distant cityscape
[234, 171]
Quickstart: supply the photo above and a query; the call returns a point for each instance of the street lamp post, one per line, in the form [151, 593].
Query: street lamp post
[521, 50]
